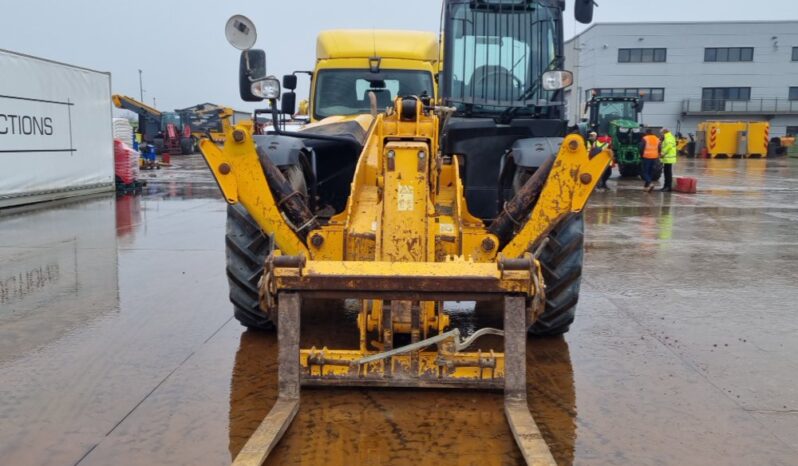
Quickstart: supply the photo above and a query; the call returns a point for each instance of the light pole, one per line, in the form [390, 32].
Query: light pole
[141, 88]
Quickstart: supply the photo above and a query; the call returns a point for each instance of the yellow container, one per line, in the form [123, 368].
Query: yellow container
[726, 139]
[721, 138]
[758, 139]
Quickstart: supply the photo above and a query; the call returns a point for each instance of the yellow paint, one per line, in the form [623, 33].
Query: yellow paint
[565, 192]
[427, 364]
[246, 183]
[366, 43]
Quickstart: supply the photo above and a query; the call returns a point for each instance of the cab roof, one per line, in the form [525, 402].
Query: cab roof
[367, 43]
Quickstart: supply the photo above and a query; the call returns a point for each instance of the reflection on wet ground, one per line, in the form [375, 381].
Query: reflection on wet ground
[117, 347]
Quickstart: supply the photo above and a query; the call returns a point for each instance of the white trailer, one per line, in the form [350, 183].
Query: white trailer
[56, 137]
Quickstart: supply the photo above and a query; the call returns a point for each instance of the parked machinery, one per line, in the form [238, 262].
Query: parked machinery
[207, 120]
[619, 118]
[410, 199]
[165, 131]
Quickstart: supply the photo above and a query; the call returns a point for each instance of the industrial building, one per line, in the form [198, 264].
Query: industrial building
[689, 72]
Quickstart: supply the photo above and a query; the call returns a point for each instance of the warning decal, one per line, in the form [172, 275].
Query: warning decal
[405, 198]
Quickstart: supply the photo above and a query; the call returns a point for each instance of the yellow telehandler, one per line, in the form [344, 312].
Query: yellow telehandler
[420, 182]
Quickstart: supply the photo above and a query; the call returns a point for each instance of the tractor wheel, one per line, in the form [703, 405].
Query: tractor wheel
[246, 250]
[629, 170]
[561, 261]
[187, 146]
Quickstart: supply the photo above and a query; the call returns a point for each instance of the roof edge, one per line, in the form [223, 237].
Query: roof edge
[55, 62]
[674, 23]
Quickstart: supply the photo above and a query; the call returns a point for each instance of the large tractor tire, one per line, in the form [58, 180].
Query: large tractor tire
[561, 261]
[246, 250]
[187, 146]
[629, 170]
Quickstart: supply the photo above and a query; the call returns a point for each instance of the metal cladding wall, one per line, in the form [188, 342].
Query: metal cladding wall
[55, 130]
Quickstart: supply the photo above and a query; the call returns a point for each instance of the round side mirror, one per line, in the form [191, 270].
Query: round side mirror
[240, 32]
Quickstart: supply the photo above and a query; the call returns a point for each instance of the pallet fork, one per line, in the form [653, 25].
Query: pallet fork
[296, 279]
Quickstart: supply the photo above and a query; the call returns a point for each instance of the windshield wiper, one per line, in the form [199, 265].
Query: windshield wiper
[532, 89]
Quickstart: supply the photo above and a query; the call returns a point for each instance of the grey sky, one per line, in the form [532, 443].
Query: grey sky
[186, 60]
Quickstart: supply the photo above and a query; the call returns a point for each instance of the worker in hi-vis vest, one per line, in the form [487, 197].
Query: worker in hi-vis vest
[600, 143]
[668, 158]
[650, 148]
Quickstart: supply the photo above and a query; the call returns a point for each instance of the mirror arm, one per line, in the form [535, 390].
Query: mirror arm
[275, 115]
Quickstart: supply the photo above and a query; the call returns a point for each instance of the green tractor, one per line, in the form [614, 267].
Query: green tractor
[619, 118]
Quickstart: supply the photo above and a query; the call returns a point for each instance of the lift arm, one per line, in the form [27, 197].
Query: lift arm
[140, 108]
[568, 187]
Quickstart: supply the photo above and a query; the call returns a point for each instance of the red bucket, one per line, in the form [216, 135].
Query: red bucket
[686, 185]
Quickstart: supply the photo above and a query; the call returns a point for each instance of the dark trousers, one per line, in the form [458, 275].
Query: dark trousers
[668, 170]
[605, 177]
[647, 168]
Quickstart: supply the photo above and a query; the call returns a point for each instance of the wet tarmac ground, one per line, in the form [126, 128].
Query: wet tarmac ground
[117, 344]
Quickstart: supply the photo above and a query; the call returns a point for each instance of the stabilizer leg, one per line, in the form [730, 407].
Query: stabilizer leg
[284, 410]
[523, 426]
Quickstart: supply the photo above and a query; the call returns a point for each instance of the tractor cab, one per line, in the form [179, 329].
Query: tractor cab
[503, 77]
[604, 110]
[173, 119]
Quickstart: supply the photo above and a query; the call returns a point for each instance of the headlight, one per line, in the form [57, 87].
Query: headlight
[636, 130]
[268, 88]
[556, 80]
[623, 130]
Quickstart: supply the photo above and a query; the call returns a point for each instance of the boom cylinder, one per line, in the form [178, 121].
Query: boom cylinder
[289, 201]
[517, 210]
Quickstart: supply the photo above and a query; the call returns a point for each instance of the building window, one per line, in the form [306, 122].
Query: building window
[795, 54]
[714, 99]
[642, 55]
[792, 130]
[728, 54]
[794, 93]
[649, 94]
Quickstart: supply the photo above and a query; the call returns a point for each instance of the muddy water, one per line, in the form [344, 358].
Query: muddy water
[116, 344]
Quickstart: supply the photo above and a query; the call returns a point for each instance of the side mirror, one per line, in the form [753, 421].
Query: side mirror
[240, 32]
[288, 105]
[289, 82]
[639, 106]
[251, 68]
[583, 11]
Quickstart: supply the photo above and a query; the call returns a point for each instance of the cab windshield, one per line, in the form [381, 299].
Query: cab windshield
[611, 111]
[346, 92]
[497, 53]
[171, 118]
